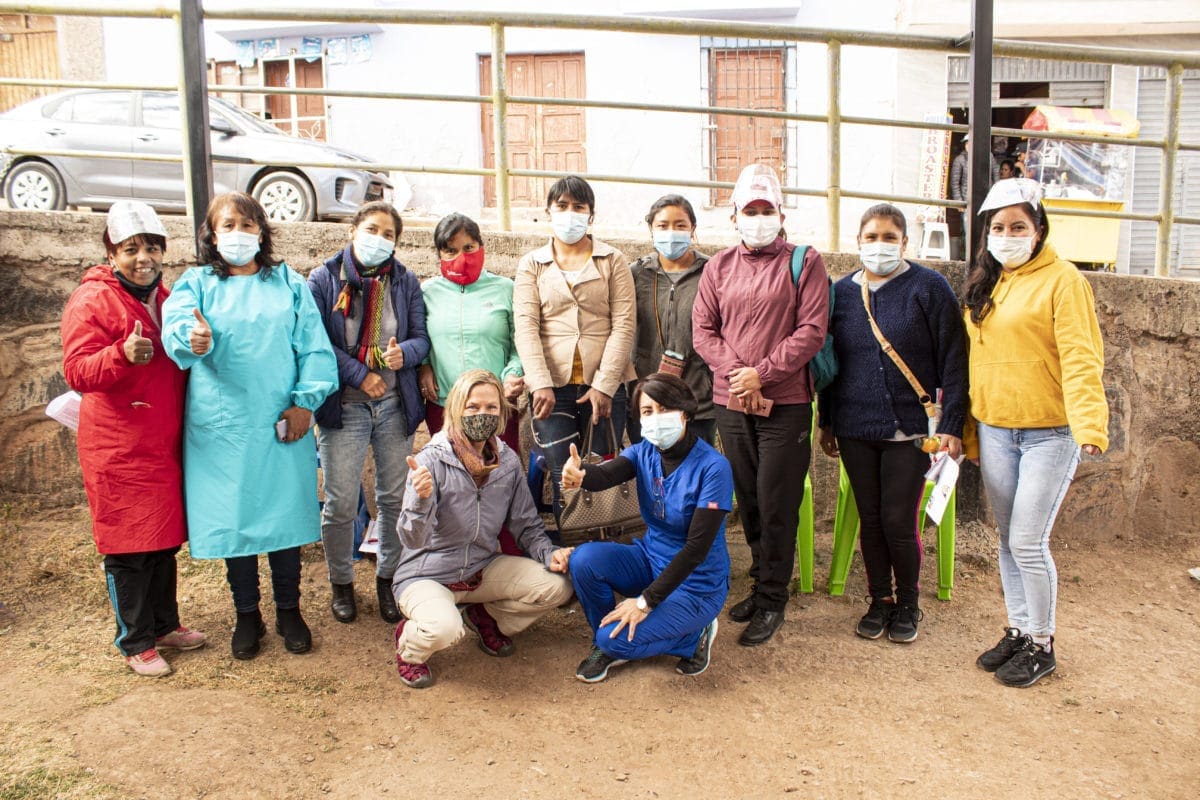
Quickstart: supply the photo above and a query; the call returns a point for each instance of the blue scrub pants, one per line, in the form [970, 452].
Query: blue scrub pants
[598, 569]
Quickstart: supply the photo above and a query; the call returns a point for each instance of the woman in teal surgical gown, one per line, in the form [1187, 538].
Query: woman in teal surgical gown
[247, 328]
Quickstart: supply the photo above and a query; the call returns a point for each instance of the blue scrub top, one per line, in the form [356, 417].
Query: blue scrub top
[246, 491]
[703, 480]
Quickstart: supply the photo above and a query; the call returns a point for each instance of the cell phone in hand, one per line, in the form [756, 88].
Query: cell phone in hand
[281, 430]
[735, 404]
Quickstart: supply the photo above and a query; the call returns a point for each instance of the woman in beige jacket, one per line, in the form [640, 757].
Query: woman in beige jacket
[574, 313]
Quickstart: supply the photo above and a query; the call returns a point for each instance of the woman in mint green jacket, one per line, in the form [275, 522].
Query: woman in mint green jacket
[469, 319]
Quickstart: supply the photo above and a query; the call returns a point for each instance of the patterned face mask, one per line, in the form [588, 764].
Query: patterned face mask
[479, 427]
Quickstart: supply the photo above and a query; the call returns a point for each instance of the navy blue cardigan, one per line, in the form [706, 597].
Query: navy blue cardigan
[325, 283]
[871, 399]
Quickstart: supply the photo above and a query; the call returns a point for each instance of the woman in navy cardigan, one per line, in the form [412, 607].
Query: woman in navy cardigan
[374, 314]
[872, 417]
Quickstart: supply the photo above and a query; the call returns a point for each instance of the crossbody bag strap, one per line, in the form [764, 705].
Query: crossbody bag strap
[931, 409]
[657, 322]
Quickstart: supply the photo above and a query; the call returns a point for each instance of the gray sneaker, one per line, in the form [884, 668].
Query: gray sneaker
[594, 668]
[699, 659]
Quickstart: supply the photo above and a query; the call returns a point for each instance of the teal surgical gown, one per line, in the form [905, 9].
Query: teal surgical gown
[246, 491]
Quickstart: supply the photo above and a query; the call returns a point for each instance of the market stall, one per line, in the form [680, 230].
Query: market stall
[1081, 175]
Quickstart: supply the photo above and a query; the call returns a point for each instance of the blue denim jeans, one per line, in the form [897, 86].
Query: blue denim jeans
[382, 425]
[568, 424]
[1026, 472]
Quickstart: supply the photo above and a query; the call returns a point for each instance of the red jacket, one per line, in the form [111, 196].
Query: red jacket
[130, 421]
[748, 313]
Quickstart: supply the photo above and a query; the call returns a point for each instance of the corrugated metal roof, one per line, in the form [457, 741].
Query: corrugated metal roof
[1028, 70]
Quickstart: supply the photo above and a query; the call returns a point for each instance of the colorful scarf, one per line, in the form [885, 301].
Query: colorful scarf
[373, 284]
[478, 467]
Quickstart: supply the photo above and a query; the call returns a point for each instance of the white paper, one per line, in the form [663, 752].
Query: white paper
[370, 542]
[945, 472]
[65, 409]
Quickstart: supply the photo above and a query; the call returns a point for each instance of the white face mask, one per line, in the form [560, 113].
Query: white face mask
[880, 258]
[1010, 251]
[663, 430]
[568, 226]
[759, 230]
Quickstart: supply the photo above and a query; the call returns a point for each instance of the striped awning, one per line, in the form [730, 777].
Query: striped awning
[1093, 121]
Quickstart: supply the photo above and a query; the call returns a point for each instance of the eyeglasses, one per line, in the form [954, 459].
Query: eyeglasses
[660, 498]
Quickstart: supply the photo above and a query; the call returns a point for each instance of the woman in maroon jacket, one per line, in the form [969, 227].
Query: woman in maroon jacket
[757, 329]
[130, 434]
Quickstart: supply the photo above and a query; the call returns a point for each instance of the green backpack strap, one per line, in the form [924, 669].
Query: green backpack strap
[798, 262]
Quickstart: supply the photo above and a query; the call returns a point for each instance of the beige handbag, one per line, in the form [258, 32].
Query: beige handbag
[610, 515]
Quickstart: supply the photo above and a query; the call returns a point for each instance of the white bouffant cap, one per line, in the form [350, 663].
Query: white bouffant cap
[757, 182]
[129, 218]
[1011, 192]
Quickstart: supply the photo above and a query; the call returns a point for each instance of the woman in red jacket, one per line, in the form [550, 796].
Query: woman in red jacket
[130, 434]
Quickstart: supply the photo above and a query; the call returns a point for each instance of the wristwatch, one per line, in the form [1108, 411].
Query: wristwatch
[642, 605]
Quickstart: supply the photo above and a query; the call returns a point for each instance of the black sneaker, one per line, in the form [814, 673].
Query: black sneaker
[902, 627]
[1028, 665]
[699, 660]
[594, 668]
[994, 659]
[876, 620]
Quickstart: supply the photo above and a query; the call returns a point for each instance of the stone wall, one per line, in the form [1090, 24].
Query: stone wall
[1145, 484]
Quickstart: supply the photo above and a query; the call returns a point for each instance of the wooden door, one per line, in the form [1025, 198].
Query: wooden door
[310, 108]
[750, 79]
[28, 49]
[279, 106]
[539, 137]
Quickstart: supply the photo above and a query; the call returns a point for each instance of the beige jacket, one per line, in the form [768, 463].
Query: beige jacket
[598, 315]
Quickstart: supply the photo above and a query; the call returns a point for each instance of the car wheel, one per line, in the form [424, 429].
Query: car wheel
[285, 197]
[34, 186]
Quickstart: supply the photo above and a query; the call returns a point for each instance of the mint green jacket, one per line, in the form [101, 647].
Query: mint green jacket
[470, 327]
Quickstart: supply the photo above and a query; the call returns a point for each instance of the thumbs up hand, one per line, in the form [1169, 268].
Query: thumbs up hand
[138, 349]
[572, 474]
[420, 478]
[393, 356]
[201, 334]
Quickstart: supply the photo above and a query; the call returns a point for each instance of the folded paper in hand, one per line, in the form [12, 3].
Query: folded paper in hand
[944, 474]
[65, 409]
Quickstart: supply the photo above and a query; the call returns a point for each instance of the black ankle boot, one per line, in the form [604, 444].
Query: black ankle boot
[290, 625]
[343, 606]
[387, 600]
[246, 633]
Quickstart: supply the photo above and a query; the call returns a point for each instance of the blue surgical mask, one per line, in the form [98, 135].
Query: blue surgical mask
[880, 258]
[663, 430]
[238, 248]
[568, 226]
[372, 250]
[672, 244]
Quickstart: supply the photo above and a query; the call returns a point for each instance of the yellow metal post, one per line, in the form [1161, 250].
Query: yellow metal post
[500, 126]
[1166, 189]
[834, 189]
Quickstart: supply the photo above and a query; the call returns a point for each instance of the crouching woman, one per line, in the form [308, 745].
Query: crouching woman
[462, 487]
[676, 577]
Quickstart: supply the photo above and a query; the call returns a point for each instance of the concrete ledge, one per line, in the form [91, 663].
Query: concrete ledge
[1144, 486]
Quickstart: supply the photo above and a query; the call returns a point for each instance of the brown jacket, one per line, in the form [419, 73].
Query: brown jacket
[597, 315]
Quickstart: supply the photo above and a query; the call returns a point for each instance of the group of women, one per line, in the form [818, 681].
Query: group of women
[674, 347]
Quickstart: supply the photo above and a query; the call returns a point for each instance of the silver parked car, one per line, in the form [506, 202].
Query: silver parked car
[149, 122]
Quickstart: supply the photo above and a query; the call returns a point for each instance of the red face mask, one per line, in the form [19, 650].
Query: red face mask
[464, 268]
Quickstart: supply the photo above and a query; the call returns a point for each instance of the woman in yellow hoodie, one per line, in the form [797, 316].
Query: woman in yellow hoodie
[1036, 368]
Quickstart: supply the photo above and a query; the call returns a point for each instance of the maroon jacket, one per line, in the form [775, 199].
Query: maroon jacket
[748, 313]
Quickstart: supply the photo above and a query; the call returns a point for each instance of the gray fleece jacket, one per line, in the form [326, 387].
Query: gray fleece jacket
[455, 532]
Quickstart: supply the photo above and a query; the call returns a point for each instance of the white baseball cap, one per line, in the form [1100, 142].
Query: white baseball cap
[1011, 192]
[757, 182]
[129, 218]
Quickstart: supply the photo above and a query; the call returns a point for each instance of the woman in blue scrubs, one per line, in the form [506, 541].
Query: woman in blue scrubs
[247, 328]
[676, 577]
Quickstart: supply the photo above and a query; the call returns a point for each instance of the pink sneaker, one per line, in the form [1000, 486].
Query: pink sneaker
[181, 639]
[149, 663]
[491, 640]
[415, 676]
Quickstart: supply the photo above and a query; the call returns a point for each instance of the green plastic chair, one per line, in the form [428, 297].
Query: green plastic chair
[805, 530]
[845, 534]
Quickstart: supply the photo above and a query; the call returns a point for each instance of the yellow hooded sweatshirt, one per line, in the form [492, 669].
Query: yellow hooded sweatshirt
[1037, 358]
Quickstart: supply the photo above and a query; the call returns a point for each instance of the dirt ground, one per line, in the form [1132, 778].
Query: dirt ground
[816, 713]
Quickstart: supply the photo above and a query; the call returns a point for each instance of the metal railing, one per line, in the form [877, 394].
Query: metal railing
[190, 14]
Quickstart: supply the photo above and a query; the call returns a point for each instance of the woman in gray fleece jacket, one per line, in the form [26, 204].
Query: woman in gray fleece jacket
[462, 487]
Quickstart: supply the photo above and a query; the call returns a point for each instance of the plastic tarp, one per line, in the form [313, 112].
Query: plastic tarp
[1080, 170]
